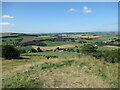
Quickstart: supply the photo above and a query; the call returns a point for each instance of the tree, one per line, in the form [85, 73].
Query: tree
[33, 50]
[112, 56]
[39, 50]
[57, 48]
[77, 50]
[9, 52]
[89, 48]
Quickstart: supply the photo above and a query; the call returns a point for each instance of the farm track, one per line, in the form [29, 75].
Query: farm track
[25, 66]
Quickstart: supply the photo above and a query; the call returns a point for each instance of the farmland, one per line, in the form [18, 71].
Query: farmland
[61, 60]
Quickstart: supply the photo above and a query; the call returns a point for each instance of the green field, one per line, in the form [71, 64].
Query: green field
[24, 48]
[10, 41]
[61, 43]
[106, 48]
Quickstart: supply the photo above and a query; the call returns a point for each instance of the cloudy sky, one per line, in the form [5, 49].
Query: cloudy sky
[49, 17]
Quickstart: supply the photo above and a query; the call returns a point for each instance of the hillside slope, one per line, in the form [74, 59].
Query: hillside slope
[38, 72]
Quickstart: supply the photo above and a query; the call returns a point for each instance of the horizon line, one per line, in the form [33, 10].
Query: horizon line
[62, 32]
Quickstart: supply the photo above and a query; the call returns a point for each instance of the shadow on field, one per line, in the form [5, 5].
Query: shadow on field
[22, 58]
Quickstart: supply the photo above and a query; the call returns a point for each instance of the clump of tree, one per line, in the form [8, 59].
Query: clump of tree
[58, 48]
[37, 43]
[89, 48]
[39, 50]
[70, 50]
[60, 39]
[112, 56]
[33, 50]
[82, 41]
[98, 54]
[101, 43]
[77, 50]
[9, 52]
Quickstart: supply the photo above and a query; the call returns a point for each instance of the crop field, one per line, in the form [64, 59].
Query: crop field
[79, 36]
[54, 47]
[75, 60]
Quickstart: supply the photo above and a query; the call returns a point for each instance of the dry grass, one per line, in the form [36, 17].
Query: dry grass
[70, 77]
[11, 66]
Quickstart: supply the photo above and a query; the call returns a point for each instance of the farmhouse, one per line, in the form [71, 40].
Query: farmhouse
[59, 50]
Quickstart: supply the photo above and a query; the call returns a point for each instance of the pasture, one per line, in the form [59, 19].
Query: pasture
[49, 43]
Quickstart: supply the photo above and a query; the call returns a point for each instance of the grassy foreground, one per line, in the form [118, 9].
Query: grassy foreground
[70, 72]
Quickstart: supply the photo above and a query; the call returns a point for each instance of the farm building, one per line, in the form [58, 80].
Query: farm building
[59, 50]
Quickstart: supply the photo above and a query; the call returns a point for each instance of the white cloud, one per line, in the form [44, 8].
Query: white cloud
[6, 23]
[72, 10]
[6, 16]
[86, 9]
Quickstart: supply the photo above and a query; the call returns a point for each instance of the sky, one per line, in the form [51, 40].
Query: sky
[58, 17]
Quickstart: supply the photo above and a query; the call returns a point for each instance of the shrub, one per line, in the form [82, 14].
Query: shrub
[22, 51]
[9, 52]
[112, 56]
[89, 48]
[58, 48]
[33, 50]
[39, 50]
[77, 50]
[97, 55]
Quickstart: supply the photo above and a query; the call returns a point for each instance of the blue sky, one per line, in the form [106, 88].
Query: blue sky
[49, 17]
